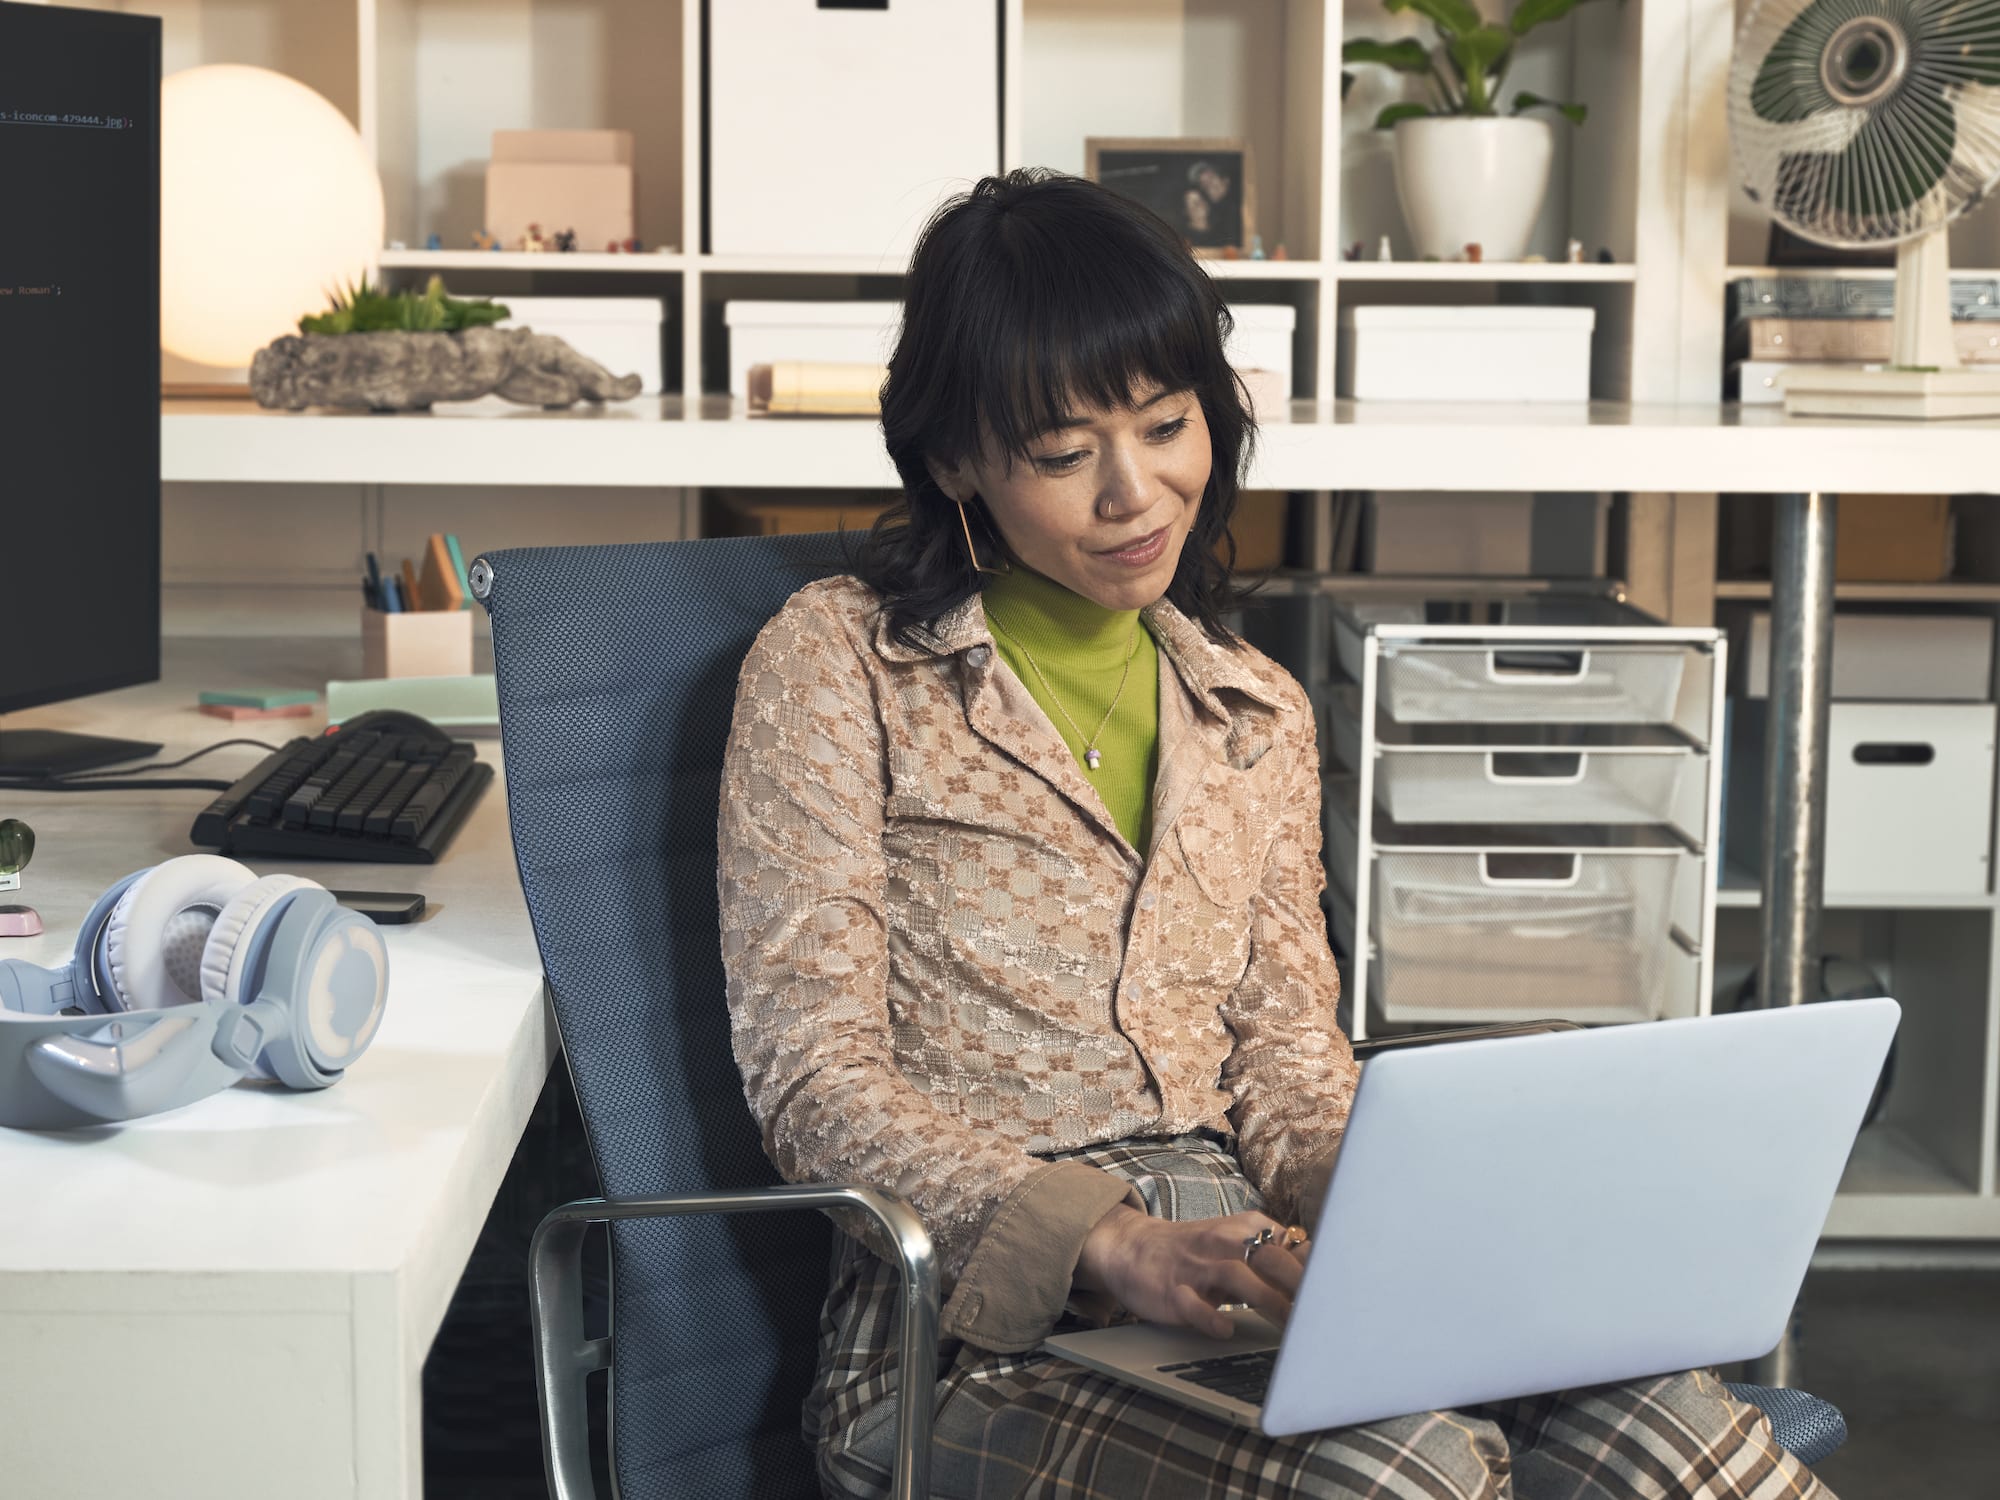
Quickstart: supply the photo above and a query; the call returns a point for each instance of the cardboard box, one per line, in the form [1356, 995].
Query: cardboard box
[561, 179]
[416, 643]
[1877, 538]
[778, 513]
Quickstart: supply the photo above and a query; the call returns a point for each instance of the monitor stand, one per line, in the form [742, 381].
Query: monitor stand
[58, 752]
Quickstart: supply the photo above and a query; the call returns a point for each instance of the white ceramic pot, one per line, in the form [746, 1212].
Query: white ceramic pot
[1469, 180]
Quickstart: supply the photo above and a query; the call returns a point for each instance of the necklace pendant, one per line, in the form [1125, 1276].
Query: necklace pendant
[1092, 756]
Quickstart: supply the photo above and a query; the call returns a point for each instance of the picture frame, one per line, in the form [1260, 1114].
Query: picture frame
[1205, 186]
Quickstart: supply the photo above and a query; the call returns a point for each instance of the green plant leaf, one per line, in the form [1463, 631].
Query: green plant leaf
[1407, 56]
[1451, 17]
[1475, 55]
[1532, 13]
[1394, 112]
[1573, 113]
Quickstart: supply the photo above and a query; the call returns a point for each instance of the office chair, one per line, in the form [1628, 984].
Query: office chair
[616, 670]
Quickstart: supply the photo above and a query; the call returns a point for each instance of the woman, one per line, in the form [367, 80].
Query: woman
[1019, 884]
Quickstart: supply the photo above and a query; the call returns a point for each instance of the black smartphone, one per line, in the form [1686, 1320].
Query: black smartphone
[390, 908]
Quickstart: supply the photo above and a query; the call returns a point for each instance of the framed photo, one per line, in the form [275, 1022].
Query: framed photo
[1202, 186]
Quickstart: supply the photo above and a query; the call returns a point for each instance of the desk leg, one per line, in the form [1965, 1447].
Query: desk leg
[1795, 777]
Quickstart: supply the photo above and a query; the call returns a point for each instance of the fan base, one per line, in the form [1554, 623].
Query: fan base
[1911, 395]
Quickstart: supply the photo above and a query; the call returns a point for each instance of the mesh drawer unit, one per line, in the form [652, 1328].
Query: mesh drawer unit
[1524, 773]
[1523, 813]
[1538, 660]
[1484, 934]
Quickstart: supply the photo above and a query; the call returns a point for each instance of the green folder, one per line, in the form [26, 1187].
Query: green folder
[458, 566]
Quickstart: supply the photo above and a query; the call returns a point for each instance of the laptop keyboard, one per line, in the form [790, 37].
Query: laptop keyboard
[1243, 1377]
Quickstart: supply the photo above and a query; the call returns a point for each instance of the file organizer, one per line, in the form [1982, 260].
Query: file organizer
[1522, 810]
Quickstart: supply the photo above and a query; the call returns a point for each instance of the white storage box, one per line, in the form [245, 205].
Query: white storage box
[839, 130]
[839, 333]
[1262, 339]
[1909, 797]
[864, 333]
[1464, 353]
[620, 333]
[1940, 658]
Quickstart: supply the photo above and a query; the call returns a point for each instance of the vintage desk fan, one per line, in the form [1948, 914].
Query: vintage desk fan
[1870, 123]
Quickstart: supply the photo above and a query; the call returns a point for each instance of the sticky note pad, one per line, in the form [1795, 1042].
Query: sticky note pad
[237, 711]
[260, 697]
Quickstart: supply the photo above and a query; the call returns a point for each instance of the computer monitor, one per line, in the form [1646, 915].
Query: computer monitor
[79, 371]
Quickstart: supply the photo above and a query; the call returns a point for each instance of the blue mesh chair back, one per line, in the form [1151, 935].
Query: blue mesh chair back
[616, 669]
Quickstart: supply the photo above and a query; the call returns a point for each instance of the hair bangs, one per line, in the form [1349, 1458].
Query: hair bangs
[1097, 340]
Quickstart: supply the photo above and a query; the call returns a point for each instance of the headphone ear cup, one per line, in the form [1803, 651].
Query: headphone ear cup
[329, 968]
[157, 934]
[232, 941]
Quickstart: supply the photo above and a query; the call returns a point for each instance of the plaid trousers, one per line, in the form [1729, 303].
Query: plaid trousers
[1021, 1425]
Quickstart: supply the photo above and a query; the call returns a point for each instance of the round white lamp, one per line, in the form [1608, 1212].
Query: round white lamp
[268, 203]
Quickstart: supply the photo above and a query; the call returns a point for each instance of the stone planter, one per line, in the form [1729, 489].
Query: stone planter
[411, 371]
[1467, 179]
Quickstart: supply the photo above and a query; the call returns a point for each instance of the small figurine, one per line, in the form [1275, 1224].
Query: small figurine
[1534, 260]
[1604, 255]
[611, 247]
[1352, 252]
[1279, 253]
[1575, 252]
[632, 246]
[1230, 252]
[17, 847]
[1474, 253]
[481, 240]
[434, 241]
[1383, 252]
[532, 241]
[1256, 247]
[566, 239]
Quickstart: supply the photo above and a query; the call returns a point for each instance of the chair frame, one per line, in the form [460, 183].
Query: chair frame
[566, 1358]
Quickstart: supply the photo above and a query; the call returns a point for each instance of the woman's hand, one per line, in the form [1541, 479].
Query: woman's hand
[1178, 1273]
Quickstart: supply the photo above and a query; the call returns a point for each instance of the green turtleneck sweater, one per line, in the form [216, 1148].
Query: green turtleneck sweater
[1081, 649]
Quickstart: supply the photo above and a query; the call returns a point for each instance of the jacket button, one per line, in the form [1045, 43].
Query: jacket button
[978, 656]
[1148, 901]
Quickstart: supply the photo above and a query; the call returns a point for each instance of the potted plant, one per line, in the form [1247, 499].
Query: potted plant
[1467, 173]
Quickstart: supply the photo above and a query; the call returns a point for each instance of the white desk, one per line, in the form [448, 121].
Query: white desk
[235, 1300]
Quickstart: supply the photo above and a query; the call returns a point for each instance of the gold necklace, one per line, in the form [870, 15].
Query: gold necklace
[1092, 756]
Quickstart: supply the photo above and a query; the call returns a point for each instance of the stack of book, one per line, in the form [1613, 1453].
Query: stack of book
[1780, 320]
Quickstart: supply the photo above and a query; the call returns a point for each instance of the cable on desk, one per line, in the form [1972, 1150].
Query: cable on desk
[123, 778]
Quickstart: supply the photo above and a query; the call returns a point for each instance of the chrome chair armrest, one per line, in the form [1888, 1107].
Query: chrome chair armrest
[564, 1358]
[1365, 1050]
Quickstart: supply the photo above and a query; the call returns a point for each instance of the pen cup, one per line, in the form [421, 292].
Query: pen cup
[416, 643]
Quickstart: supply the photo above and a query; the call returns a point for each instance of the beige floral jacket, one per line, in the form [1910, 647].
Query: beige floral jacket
[944, 961]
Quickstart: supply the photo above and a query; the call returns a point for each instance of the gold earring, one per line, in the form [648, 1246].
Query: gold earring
[972, 553]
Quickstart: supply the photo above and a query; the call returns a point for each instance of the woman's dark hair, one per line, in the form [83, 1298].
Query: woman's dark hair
[1031, 292]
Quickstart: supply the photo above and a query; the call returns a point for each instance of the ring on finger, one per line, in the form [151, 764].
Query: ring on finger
[1251, 1244]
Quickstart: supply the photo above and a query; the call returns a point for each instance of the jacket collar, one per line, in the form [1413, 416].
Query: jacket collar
[1204, 666]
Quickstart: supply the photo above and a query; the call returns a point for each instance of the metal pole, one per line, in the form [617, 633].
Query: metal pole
[1795, 778]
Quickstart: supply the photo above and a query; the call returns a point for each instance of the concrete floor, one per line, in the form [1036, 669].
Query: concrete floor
[1912, 1359]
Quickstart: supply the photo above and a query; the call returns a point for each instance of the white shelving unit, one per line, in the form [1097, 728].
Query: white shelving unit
[1647, 178]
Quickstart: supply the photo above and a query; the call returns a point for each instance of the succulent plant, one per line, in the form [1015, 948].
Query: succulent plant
[361, 308]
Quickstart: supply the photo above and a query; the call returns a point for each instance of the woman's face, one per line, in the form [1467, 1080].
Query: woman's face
[1104, 505]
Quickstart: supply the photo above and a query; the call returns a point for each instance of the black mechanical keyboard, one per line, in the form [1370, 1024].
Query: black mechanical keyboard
[1246, 1377]
[385, 788]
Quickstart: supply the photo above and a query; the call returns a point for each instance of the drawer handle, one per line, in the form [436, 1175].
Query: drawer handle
[1536, 767]
[1539, 870]
[1878, 754]
[1537, 666]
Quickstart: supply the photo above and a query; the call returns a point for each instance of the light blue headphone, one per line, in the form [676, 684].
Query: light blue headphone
[186, 977]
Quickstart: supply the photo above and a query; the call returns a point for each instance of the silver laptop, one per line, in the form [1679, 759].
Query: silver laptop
[1544, 1212]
